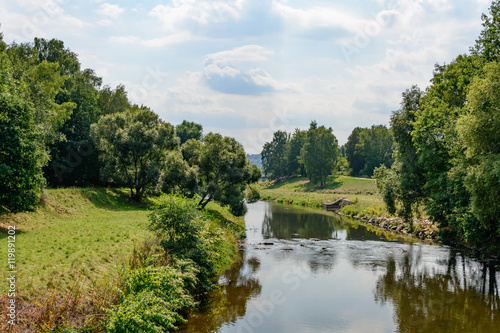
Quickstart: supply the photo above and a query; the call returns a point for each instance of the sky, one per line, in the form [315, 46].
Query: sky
[247, 68]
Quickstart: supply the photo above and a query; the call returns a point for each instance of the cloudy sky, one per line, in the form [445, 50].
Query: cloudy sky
[246, 68]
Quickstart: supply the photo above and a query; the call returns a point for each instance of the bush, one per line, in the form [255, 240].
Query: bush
[188, 233]
[152, 298]
[253, 193]
[349, 210]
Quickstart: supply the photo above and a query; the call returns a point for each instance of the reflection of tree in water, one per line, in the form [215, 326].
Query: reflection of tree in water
[461, 295]
[322, 262]
[228, 303]
[282, 223]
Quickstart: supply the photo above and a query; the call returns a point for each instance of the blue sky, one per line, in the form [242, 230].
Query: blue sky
[246, 68]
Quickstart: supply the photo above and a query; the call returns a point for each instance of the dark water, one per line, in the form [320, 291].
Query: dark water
[322, 274]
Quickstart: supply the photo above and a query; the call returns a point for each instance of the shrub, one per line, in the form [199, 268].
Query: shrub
[253, 193]
[188, 233]
[349, 210]
[152, 298]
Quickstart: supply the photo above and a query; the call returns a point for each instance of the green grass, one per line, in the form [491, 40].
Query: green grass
[74, 233]
[299, 191]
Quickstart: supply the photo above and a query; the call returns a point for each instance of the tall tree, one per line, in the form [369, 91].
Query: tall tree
[189, 130]
[294, 145]
[274, 157]
[354, 157]
[319, 153]
[479, 133]
[488, 43]
[21, 159]
[132, 146]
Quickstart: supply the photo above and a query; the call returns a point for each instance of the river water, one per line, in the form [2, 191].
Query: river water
[304, 270]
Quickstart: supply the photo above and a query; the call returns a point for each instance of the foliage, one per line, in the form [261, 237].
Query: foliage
[189, 130]
[151, 300]
[295, 166]
[369, 148]
[21, 158]
[488, 44]
[319, 153]
[178, 176]
[224, 172]
[274, 156]
[132, 148]
[253, 193]
[187, 232]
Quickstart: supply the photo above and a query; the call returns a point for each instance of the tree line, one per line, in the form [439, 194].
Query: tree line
[59, 126]
[447, 146]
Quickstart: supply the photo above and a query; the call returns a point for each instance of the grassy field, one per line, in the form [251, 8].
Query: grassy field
[299, 191]
[80, 234]
[75, 233]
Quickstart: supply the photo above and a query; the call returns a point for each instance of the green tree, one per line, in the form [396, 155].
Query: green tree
[375, 147]
[354, 157]
[132, 147]
[479, 133]
[224, 172]
[274, 156]
[21, 158]
[319, 153]
[404, 182]
[488, 43]
[113, 101]
[294, 145]
[189, 130]
[178, 176]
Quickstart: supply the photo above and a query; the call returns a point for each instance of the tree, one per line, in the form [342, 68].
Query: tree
[479, 133]
[189, 130]
[274, 157]
[354, 157]
[488, 43]
[294, 145]
[375, 147]
[21, 158]
[178, 176]
[132, 147]
[224, 172]
[319, 153]
[113, 101]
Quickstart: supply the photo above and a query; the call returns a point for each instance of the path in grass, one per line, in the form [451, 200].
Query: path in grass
[75, 233]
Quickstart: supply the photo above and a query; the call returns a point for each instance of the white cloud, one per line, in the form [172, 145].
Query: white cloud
[247, 53]
[109, 10]
[201, 12]
[155, 42]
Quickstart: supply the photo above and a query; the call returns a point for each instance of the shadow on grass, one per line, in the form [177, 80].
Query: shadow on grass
[113, 199]
[4, 232]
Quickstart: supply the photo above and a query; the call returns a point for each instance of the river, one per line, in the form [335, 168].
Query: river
[303, 270]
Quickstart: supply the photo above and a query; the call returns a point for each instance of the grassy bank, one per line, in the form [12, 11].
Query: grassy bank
[299, 191]
[74, 246]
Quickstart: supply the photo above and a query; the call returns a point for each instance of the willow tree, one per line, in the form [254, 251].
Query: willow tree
[133, 146]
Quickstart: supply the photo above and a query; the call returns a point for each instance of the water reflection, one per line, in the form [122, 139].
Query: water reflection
[456, 294]
[288, 222]
[228, 303]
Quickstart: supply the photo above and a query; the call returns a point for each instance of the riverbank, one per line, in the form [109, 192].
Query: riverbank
[367, 204]
[70, 254]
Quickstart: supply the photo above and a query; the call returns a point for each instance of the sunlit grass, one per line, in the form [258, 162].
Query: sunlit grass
[299, 191]
[76, 233]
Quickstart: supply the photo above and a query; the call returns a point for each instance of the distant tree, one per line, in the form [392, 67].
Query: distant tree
[21, 159]
[376, 148]
[354, 157]
[319, 153]
[189, 130]
[132, 147]
[294, 145]
[224, 172]
[274, 156]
